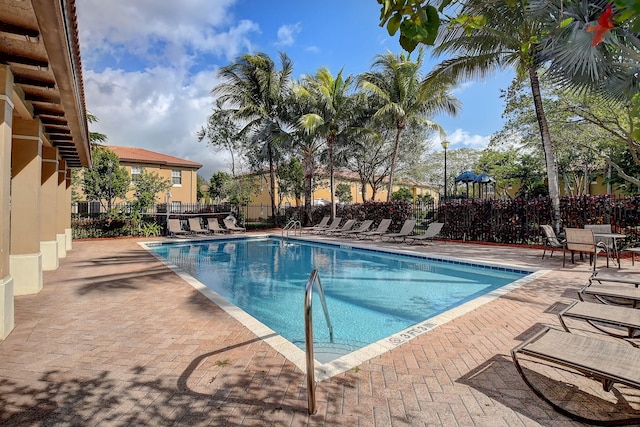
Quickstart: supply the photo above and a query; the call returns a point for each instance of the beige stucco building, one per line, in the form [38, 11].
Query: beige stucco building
[43, 133]
[182, 173]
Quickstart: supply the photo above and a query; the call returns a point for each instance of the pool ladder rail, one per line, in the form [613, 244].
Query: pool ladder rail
[314, 278]
[294, 225]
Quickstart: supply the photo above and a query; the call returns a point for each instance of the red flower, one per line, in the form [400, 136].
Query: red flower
[605, 24]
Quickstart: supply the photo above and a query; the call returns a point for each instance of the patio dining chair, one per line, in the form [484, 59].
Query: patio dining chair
[550, 240]
[581, 240]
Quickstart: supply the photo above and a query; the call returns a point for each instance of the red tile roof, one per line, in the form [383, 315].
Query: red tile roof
[140, 155]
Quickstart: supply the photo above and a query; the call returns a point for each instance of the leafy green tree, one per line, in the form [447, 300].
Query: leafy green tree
[255, 90]
[200, 193]
[370, 160]
[509, 39]
[305, 145]
[343, 192]
[333, 116]
[223, 132]
[586, 130]
[106, 180]
[241, 191]
[218, 186]
[500, 163]
[146, 188]
[406, 97]
[417, 20]
[402, 195]
[95, 138]
[290, 177]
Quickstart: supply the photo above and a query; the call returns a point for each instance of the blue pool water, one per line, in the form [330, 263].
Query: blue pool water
[370, 294]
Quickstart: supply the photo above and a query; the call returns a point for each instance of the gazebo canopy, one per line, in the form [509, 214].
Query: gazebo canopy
[467, 177]
[484, 179]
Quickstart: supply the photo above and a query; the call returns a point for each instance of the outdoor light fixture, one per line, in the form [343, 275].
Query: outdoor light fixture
[445, 144]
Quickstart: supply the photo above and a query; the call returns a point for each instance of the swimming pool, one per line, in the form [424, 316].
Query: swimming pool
[372, 295]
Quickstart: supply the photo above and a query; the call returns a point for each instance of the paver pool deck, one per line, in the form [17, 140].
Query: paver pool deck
[116, 338]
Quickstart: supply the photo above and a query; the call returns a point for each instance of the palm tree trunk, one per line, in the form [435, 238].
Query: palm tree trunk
[394, 158]
[308, 176]
[552, 168]
[272, 185]
[330, 142]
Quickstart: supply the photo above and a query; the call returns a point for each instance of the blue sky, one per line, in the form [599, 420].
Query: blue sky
[149, 65]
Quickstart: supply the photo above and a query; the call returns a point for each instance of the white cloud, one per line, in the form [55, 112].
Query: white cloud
[160, 110]
[157, 30]
[462, 139]
[162, 105]
[288, 33]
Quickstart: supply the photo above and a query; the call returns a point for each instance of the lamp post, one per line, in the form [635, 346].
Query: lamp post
[110, 166]
[445, 144]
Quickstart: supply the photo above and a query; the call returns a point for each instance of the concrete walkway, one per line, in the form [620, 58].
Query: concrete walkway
[116, 338]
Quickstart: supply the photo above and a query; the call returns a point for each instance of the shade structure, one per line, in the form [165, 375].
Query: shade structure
[484, 180]
[467, 177]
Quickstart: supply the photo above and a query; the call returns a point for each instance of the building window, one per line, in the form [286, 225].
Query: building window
[176, 177]
[136, 171]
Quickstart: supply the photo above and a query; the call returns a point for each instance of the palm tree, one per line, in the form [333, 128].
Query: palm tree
[585, 62]
[405, 96]
[256, 91]
[507, 40]
[334, 112]
[306, 145]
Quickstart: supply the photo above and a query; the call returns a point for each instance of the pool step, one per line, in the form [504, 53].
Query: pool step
[325, 351]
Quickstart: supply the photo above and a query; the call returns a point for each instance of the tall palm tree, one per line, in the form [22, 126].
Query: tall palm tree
[507, 40]
[306, 145]
[334, 112]
[256, 91]
[405, 96]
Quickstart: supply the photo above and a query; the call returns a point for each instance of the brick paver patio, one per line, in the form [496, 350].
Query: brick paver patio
[116, 338]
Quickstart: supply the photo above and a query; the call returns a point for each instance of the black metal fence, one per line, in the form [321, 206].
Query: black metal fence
[509, 221]
[517, 221]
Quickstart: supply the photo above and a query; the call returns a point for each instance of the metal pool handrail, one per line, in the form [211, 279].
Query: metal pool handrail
[308, 334]
[293, 225]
